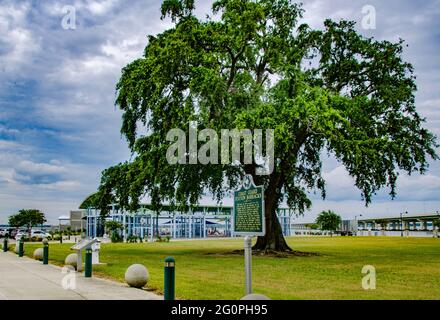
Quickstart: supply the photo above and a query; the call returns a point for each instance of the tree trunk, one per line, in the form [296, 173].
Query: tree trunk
[274, 238]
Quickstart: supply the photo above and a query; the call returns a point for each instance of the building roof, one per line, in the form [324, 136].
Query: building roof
[421, 216]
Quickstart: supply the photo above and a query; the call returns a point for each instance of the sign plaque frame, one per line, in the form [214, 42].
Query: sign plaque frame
[248, 189]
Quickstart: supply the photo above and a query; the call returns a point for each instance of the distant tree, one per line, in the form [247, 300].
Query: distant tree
[254, 65]
[312, 226]
[15, 221]
[328, 221]
[113, 226]
[27, 218]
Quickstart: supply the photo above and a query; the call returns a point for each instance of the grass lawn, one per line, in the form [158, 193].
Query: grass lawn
[406, 268]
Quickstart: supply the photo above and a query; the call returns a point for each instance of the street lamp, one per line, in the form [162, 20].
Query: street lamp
[434, 228]
[355, 223]
[401, 222]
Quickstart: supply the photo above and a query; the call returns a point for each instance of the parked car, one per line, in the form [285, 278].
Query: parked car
[40, 234]
[4, 233]
[21, 234]
[12, 233]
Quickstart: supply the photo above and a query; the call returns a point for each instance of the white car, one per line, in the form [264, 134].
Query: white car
[34, 233]
[20, 234]
[40, 234]
[4, 232]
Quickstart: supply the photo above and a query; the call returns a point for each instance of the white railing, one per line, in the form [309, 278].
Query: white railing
[396, 233]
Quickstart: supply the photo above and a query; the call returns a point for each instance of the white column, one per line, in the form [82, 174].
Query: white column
[124, 232]
[290, 224]
[230, 226]
[151, 226]
[190, 226]
[95, 224]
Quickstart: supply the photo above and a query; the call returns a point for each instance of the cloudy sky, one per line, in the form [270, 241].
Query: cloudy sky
[59, 127]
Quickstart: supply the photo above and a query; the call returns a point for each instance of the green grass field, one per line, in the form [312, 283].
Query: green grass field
[407, 268]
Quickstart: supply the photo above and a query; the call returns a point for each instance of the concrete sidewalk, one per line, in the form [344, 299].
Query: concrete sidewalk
[28, 279]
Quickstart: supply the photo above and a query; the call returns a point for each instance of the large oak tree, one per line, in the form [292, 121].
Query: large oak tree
[255, 66]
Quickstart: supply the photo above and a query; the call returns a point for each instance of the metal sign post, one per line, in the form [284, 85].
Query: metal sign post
[248, 263]
[248, 221]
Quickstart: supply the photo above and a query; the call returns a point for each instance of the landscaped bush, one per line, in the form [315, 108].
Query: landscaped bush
[163, 239]
[134, 239]
[131, 239]
[116, 237]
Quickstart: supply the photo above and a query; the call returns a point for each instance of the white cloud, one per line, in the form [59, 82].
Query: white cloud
[60, 185]
[40, 168]
[7, 145]
[17, 38]
[94, 7]
[338, 178]
[99, 7]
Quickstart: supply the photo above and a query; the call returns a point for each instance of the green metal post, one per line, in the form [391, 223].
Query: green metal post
[169, 278]
[88, 263]
[5, 244]
[46, 252]
[61, 237]
[20, 248]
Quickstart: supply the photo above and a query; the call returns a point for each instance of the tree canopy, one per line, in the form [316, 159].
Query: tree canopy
[113, 226]
[90, 202]
[27, 218]
[255, 66]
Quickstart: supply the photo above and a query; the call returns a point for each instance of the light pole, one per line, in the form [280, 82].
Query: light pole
[434, 227]
[355, 223]
[401, 222]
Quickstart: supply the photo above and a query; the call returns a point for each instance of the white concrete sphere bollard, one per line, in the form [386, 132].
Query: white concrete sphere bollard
[71, 260]
[38, 254]
[255, 296]
[137, 276]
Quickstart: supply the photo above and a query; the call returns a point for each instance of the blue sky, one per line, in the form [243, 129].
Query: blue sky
[59, 127]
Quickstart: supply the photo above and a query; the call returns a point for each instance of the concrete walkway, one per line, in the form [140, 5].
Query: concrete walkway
[28, 279]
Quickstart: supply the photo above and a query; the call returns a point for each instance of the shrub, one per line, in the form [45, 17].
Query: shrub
[115, 237]
[163, 239]
[132, 239]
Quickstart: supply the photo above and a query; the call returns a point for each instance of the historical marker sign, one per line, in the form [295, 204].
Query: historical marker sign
[249, 209]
